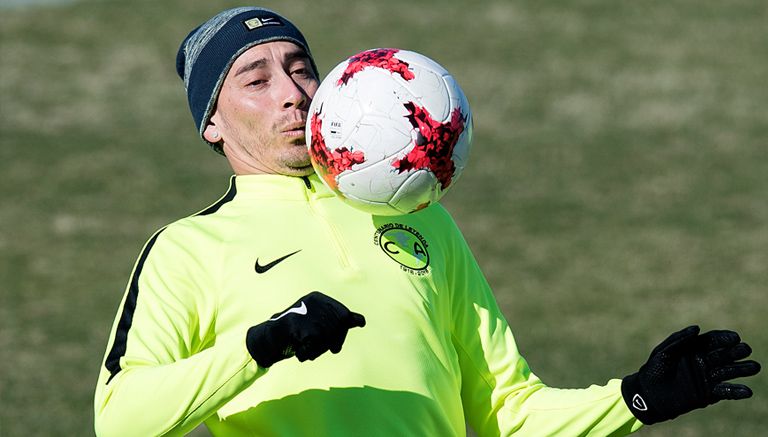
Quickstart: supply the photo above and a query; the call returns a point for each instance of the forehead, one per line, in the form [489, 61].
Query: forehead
[272, 52]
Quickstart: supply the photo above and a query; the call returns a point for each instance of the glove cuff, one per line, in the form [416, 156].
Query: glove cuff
[638, 402]
[259, 344]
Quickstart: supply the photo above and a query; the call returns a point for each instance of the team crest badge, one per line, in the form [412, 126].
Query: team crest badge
[404, 245]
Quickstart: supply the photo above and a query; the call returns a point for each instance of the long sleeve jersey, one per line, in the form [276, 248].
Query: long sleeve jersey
[436, 350]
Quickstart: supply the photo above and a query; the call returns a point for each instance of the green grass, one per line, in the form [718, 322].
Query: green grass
[617, 189]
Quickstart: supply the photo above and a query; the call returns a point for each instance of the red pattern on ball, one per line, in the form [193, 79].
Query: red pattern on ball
[435, 143]
[377, 58]
[334, 162]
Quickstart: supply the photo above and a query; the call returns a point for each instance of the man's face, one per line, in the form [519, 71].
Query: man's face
[262, 109]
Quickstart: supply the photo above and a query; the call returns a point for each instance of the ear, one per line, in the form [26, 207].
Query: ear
[211, 133]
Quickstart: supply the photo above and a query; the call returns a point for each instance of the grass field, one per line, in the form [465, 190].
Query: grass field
[617, 189]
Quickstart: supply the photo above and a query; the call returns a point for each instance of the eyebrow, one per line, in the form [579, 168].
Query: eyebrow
[297, 55]
[262, 62]
[259, 63]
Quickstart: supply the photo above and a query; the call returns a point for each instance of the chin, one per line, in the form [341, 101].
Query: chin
[299, 171]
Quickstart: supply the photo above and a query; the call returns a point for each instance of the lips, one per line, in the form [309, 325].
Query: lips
[294, 130]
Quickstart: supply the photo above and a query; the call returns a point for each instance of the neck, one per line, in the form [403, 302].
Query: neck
[242, 163]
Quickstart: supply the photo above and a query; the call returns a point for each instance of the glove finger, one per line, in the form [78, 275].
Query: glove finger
[722, 356]
[310, 350]
[674, 342]
[332, 308]
[727, 391]
[355, 320]
[323, 305]
[302, 353]
[717, 339]
[336, 343]
[736, 370]
[319, 298]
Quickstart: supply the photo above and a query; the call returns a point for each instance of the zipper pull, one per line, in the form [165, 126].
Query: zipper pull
[307, 183]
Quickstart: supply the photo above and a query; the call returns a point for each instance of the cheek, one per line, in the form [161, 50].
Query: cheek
[311, 89]
[251, 116]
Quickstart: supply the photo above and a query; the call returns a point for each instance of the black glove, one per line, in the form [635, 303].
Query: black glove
[314, 324]
[687, 371]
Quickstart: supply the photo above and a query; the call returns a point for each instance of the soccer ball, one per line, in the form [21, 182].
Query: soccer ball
[389, 131]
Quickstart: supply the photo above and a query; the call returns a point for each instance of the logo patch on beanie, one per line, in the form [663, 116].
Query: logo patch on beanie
[257, 22]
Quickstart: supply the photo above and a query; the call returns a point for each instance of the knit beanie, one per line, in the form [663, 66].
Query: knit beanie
[208, 52]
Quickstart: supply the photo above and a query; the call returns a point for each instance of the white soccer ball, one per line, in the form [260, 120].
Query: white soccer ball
[389, 131]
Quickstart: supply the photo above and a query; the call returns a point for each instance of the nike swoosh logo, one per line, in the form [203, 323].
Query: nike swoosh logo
[301, 310]
[637, 402]
[262, 269]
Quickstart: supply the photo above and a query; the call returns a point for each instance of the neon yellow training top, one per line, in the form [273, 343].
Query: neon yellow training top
[436, 350]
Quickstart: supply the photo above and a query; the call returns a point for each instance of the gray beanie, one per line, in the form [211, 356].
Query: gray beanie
[208, 52]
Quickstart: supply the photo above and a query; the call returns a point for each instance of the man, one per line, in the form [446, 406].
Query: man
[219, 303]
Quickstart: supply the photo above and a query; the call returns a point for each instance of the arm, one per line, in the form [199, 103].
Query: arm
[500, 394]
[150, 398]
[164, 371]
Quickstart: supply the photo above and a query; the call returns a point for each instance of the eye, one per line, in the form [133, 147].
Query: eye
[257, 82]
[301, 72]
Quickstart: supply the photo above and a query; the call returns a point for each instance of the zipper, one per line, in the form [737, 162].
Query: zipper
[332, 230]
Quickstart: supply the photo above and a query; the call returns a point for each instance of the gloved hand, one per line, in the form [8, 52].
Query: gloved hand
[687, 371]
[314, 324]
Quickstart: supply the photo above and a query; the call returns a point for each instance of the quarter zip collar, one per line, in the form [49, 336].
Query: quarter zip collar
[273, 186]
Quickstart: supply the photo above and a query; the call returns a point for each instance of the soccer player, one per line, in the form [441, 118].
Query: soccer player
[229, 313]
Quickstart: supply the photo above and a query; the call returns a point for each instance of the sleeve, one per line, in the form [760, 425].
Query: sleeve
[165, 371]
[500, 394]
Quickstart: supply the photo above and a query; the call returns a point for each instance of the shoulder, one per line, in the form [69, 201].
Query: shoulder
[199, 231]
[434, 226]
[438, 220]
[441, 215]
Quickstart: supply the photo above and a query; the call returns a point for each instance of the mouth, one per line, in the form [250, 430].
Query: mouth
[294, 130]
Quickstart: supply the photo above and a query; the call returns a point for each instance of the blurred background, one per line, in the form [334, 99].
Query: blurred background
[617, 188]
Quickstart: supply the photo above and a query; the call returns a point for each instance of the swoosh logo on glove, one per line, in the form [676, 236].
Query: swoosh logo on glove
[639, 403]
[300, 310]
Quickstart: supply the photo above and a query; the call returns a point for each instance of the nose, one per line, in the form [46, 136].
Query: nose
[294, 95]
